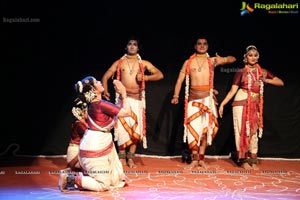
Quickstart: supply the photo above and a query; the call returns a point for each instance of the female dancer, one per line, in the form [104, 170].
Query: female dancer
[248, 88]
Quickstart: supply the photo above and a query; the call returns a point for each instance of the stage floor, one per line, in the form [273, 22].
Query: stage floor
[164, 178]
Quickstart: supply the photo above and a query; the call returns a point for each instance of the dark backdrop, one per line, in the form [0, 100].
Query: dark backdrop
[41, 61]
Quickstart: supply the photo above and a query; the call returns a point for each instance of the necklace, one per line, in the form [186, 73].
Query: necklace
[254, 75]
[130, 66]
[200, 66]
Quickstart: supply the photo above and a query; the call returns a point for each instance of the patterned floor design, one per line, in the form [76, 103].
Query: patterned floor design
[164, 178]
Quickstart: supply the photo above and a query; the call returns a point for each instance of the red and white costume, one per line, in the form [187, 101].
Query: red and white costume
[200, 119]
[132, 130]
[242, 112]
[102, 169]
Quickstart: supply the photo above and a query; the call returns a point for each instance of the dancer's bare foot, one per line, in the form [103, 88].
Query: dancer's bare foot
[194, 163]
[246, 165]
[123, 161]
[203, 164]
[131, 163]
[255, 167]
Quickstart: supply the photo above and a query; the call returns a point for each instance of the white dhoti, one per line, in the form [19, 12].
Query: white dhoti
[129, 130]
[199, 118]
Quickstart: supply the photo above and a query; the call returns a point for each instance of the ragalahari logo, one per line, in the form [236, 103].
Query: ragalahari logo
[246, 9]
